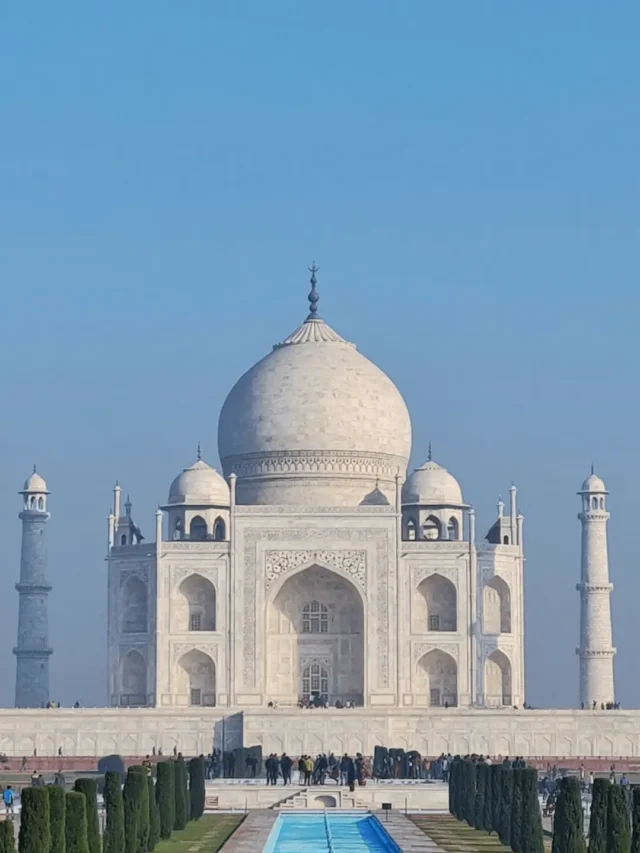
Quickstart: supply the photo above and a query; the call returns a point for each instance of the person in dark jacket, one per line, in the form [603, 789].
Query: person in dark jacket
[351, 774]
[271, 767]
[285, 766]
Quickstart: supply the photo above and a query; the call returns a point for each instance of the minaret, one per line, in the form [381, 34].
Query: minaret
[596, 650]
[32, 650]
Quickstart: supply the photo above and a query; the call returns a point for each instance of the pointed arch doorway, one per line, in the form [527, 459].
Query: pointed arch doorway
[315, 639]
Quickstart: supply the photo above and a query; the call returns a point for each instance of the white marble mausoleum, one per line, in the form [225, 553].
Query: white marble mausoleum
[315, 564]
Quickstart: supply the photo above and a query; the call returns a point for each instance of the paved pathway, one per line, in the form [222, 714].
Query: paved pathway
[251, 836]
[406, 834]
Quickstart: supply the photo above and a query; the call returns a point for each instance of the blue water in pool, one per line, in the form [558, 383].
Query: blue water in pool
[329, 833]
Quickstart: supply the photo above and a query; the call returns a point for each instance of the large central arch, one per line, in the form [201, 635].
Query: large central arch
[315, 626]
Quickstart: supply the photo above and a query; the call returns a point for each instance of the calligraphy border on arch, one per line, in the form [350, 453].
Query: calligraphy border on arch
[285, 535]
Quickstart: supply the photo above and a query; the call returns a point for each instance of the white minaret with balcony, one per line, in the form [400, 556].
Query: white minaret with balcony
[596, 650]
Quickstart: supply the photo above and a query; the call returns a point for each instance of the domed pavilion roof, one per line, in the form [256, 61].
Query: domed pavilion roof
[431, 485]
[201, 485]
[35, 484]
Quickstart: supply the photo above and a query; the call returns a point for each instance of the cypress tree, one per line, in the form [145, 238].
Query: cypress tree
[481, 787]
[165, 798]
[455, 782]
[89, 788]
[568, 832]
[7, 840]
[196, 787]
[496, 790]
[132, 796]
[34, 836]
[453, 769]
[180, 794]
[469, 810]
[75, 823]
[154, 817]
[57, 807]
[506, 807]
[113, 838]
[532, 837]
[618, 831]
[635, 819]
[487, 818]
[598, 820]
[144, 816]
[516, 811]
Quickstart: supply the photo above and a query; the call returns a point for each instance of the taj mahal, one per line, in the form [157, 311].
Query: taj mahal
[315, 567]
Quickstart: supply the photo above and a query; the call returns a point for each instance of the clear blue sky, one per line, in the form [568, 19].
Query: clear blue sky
[464, 173]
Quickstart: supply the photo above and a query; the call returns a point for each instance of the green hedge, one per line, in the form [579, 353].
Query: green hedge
[496, 791]
[618, 821]
[482, 772]
[143, 819]
[75, 825]
[487, 816]
[532, 837]
[454, 787]
[135, 791]
[7, 839]
[197, 787]
[57, 809]
[635, 819]
[165, 797]
[180, 794]
[516, 811]
[89, 788]
[154, 817]
[598, 820]
[568, 833]
[113, 837]
[34, 836]
[506, 806]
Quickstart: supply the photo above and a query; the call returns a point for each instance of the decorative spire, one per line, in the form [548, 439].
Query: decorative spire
[199, 452]
[313, 293]
[592, 469]
[430, 455]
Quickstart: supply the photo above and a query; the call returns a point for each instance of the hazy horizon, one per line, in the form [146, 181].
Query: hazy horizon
[466, 178]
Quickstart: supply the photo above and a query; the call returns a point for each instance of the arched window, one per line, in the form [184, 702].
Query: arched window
[431, 528]
[496, 614]
[315, 682]
[40, 503]
[134, 679]
[198, 528]
[440, 597]
[505, 540]
[601, 503]
[452, 528]
[177, 530]
[315, 618]
[123, 539]
[219, 530]
[196, 608]
[594, 503]
[134, 606]
[411, 530]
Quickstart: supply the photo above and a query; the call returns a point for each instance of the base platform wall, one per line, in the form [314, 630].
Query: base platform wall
[102, 731]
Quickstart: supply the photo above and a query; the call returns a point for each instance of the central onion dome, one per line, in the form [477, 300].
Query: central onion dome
[314, 423]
